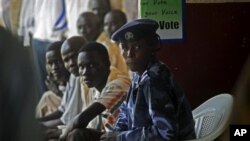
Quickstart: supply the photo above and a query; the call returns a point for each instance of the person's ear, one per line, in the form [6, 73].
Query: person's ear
[157, 43]
[157, 47]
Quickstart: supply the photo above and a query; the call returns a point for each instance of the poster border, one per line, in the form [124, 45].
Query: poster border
[170, 41]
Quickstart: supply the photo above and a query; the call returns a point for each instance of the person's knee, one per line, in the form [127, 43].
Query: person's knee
[76, 133]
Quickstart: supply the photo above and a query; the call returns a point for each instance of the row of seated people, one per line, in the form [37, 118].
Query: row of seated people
[90, 20]
[100, 102]
[51, 22]
[43, 20]
[89, 28]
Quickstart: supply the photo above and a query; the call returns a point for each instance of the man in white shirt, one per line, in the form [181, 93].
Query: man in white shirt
[71, 103]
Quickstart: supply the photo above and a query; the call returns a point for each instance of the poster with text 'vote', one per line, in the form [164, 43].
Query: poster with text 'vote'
[168, 13]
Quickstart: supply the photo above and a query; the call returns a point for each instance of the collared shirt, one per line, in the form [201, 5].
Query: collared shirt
[111, 97]
[156, 108]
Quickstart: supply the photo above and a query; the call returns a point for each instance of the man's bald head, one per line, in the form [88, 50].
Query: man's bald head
[73, 43]
[69, 52]
[89, 26]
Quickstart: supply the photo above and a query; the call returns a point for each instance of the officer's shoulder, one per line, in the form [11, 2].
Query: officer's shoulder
[159, 71]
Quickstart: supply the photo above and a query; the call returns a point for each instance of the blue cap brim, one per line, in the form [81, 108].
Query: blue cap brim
[135, 30]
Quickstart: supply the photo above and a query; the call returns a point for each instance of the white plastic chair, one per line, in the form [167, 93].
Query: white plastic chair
[212, 117]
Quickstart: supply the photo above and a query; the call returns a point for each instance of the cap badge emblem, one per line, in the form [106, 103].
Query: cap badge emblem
[129, 35]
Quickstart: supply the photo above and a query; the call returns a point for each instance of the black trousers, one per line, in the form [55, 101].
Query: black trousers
[84, 134]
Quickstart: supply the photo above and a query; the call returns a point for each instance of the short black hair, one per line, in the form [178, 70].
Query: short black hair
[87, 15]
[118, 13]
[55, 46]
[97, 48]
[102, 2]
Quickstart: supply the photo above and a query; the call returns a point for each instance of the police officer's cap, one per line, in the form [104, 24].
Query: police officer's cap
[135, 30]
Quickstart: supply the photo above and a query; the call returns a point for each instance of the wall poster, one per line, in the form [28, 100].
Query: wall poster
[168, 13]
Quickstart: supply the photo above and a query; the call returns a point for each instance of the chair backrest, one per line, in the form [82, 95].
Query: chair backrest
[212, 117]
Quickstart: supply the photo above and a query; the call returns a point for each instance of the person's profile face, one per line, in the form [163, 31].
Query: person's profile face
[87, 27]
[137, 54]
[111, 24]
[91, 69]
[69, 57]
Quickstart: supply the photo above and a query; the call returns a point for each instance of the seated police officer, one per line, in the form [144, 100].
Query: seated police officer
[156, 108]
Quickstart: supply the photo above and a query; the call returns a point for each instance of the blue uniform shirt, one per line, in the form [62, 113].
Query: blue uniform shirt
[156, 108]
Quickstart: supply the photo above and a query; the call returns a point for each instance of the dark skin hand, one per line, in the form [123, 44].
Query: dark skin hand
[49, 132]
[82, 120]
[53, 86]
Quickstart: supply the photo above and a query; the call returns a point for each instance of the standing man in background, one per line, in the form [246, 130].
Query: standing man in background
[100, 8]
[73, 9]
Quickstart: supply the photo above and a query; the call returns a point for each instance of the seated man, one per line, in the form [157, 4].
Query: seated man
[56, 81]
[156, 108]
[89, 26]
[71, 104]
[113, 20]
[107, 89]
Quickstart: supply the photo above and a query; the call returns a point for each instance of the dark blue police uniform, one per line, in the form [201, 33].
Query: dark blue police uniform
[156, 108]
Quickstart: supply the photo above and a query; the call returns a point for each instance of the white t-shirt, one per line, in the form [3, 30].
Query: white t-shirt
[71, 104]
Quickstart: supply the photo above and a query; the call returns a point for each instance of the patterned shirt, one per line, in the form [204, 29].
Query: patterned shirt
[111, 96]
